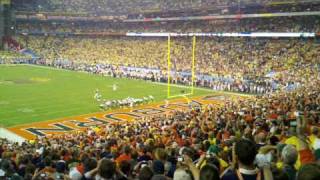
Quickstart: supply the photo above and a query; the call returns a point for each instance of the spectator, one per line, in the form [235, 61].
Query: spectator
[289, 156]
[106, 169]
[209, 172]
[145, 173]
[244, 154]
[309, 172]
[125, 156]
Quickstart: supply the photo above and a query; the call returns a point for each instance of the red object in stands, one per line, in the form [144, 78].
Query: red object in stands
[12, 43]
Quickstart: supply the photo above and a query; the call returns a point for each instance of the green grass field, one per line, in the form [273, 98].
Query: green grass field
[31, 94]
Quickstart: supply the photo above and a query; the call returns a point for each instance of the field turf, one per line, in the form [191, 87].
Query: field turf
[33, 93]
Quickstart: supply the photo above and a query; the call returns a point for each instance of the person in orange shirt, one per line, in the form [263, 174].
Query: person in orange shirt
[125, 156]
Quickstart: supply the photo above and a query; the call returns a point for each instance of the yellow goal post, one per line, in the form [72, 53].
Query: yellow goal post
[169, 95]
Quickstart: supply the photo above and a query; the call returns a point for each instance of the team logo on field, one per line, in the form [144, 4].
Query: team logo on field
[80, 123]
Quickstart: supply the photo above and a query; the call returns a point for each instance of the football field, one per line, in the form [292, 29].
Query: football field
[34, 93]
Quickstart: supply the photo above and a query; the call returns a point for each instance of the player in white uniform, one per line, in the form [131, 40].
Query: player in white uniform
[114, 87]
[97, 96]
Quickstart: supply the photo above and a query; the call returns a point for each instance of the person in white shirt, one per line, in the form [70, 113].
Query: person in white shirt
[114, 87]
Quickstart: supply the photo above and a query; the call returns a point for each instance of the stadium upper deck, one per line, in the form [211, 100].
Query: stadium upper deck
[160, 8]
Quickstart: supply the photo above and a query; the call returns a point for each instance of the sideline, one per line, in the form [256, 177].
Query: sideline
[206, 89]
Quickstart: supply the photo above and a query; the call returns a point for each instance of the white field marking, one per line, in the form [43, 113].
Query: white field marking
[11, 136]
[25, 110]
[4, 102]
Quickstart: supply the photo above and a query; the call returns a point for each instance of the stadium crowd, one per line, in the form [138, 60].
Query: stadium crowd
[7, 56]
[275, 135]
[270, 24]
[270, 136]
[233, 64]
[158, 8]
[108, 7]
[245, 65]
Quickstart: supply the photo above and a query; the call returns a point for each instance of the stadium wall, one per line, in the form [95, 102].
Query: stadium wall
[7, 22]
[1, 26]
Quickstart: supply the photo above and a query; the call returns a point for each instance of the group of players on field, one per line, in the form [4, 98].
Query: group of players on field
[122, 103]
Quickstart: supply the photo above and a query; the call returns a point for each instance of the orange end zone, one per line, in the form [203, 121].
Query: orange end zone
[80, 123]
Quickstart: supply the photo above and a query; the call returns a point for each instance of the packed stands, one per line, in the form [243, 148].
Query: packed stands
[112, 7]
[229, 62]
[159, 8]
[9, 57]
[248, 61]
[279, 133]
[274, 135]
[275, 24]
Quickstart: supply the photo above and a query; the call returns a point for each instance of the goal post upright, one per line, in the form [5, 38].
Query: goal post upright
[192, 69]
[193, 63]
[169, 65]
